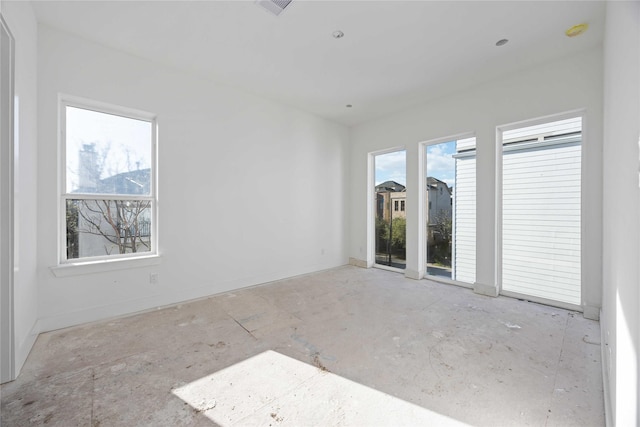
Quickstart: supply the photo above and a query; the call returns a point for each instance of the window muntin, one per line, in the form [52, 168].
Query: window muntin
[108, 199]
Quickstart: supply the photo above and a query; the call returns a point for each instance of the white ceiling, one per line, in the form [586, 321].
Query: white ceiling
[394, 54]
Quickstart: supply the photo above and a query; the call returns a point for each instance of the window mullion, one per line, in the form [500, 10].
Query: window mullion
[75, 196]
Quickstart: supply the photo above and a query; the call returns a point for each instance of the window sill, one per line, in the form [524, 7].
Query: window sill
[90, 267]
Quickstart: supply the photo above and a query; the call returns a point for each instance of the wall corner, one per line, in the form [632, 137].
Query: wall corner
[590, 312]
[358, 262]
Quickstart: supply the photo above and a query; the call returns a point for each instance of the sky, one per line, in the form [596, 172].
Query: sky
[440, 164]
[391, 167]
[126, 142]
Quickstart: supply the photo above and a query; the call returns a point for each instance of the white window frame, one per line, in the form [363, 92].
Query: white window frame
[371, 209]
[422, 235]
[499, 176]
[7, 204]
[148, 256]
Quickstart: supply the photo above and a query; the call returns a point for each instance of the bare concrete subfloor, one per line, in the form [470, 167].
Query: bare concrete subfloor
[371, 337]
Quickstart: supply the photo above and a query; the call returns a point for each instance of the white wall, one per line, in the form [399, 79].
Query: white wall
[21, 21]
[249, 190]
[621, 299]
[565, 85]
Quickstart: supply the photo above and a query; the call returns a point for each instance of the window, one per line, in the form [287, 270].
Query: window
[390, 224]
[451, 207]
[541, 210]
[108, 182]
[402, 205]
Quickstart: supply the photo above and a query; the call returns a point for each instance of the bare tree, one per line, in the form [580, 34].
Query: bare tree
[442, 226]
[72, 230]
[440, 236]
[123, 223]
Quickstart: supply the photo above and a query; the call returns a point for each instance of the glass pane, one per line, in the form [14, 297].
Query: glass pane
[439, 207]
[450, 205]
[107, 227]
[107, 154]
[390, 197]
[541, 210]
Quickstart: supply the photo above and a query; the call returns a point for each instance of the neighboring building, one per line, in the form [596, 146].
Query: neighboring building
[439, 200]
[464, 216]
[541, 210]
[131, 183]
[391, 200]
[439, 220]
[390, 186]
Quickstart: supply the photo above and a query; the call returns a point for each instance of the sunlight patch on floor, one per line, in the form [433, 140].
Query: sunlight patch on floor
[273, 389]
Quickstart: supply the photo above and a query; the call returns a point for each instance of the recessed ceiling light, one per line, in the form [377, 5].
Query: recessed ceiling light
[502, 42]
[576, 30]
[337, 34]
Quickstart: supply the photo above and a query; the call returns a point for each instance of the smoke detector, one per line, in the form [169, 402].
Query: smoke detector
[274, 6]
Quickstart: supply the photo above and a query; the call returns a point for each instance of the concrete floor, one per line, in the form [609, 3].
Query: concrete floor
[378, 349]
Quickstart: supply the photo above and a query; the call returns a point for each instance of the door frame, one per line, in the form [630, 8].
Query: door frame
[7, 64]
[422, 188]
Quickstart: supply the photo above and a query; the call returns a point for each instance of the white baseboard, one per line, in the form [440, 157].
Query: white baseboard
[604, 360]
[358, 262]
[162, 300]
[488, 290]
[590, 312]
[24, 348]
[413, 274]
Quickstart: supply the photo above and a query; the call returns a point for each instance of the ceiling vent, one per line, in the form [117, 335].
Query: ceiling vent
[274, 6]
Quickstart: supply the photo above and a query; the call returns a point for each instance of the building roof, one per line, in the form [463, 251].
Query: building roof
[133, 182]
[390, 186]
[433, 182]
